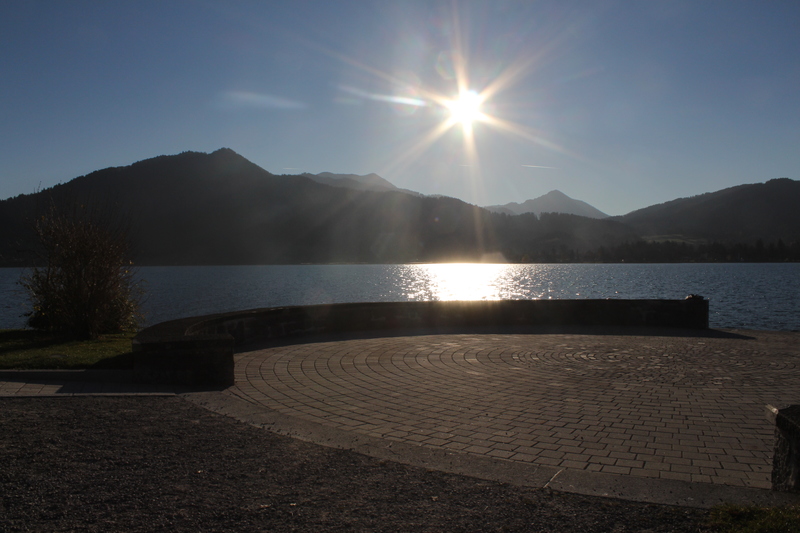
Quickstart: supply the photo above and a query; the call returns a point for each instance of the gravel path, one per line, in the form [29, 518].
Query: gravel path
[163, 464]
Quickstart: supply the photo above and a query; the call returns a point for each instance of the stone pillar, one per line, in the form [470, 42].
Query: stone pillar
[786, 461]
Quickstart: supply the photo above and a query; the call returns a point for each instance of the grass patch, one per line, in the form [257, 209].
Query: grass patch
[31, 350]
[751, 519]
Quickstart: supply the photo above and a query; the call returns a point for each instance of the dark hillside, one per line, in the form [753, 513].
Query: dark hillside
[557, 237]
[741, 214]
[219, 208]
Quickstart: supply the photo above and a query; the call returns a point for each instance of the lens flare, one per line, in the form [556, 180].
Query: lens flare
[458, 102]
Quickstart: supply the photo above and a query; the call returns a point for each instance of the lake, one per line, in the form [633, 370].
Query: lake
[750, 296]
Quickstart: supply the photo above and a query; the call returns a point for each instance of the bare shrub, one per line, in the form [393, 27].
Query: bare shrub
[86, 285]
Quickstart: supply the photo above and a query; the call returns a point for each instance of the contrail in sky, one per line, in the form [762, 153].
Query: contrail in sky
[538, 166]
[260, 100]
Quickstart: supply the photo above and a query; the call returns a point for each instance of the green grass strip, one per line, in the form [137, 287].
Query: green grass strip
[32, 350]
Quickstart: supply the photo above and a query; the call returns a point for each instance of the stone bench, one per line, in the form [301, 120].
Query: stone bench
[199, 350]
[786, 460]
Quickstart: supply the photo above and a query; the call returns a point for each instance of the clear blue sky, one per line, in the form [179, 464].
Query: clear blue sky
[621, 104]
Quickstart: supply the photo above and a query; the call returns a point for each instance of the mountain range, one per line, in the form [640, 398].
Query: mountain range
[552, 202]
[220, 208]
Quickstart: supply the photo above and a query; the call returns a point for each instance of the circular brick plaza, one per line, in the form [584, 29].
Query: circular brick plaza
[685, 408]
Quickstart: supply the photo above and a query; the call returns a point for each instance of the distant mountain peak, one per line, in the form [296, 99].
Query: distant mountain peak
[554, 201]
[224, 151]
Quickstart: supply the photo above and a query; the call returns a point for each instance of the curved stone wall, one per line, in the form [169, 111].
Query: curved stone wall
[199, 350]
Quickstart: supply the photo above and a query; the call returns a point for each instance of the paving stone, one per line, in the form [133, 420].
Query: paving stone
[646, 406]
[551, 394]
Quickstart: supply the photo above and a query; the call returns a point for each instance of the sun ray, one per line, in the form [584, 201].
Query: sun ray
[529, 134]
[402, 161]
[463, 109]
[459, 52]
[475, 178]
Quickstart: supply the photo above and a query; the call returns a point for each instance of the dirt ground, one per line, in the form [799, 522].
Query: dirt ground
[163, 464]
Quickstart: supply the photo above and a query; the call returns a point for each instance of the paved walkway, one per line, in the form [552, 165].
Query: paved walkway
[77, 383]
[678, 408]
[631, 407]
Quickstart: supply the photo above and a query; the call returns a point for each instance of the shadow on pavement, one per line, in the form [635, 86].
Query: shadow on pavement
[505, 330]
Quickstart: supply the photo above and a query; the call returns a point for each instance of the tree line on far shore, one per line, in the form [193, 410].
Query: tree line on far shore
[671, 252]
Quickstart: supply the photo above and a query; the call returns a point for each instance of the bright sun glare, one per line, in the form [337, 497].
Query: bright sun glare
[466, 108]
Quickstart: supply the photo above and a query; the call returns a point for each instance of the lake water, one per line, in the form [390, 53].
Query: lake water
[751, 296]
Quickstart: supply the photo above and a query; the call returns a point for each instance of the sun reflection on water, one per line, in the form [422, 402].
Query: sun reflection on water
[480, 281]
[465, 281]
[457, 281]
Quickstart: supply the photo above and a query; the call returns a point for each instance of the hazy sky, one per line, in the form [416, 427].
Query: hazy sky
[621, 104]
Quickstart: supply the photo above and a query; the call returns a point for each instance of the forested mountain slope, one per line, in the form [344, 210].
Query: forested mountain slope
[219, 208]
[742, 214]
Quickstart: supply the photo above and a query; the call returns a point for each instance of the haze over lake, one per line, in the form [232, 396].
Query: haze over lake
[749, 295]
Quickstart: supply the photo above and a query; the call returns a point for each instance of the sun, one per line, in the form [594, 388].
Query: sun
[463, 106]
[465, 109]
